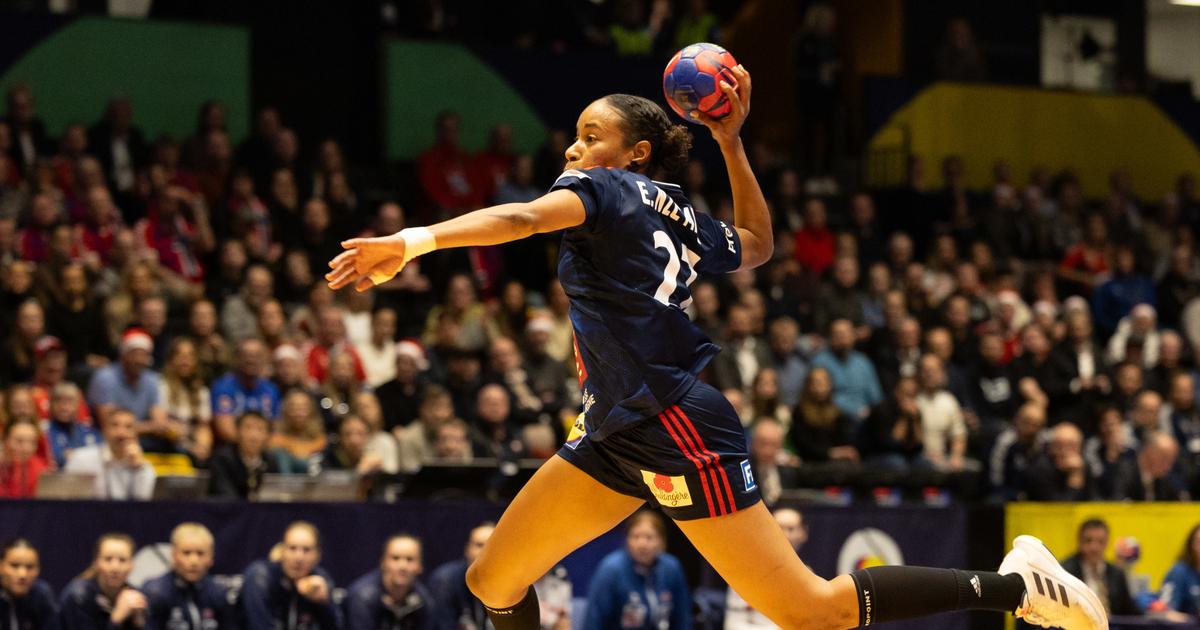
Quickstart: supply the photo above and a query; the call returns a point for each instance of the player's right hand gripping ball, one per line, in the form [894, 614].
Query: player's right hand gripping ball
[692, 79]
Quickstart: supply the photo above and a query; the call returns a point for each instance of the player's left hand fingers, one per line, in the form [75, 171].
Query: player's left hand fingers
[737, 109]
[744, 85]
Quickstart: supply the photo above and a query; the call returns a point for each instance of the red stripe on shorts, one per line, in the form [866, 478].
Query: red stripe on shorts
[716, 459]
[706, 458]
[692, 458]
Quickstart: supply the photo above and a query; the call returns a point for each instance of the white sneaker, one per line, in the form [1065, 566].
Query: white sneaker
[1053, 597]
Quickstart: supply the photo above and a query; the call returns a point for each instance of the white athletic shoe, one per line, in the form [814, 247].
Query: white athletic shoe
[1053, 597]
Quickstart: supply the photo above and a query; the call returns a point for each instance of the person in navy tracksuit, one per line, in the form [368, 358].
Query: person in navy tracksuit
[293, 593]
[26, 603]
[186, 597]
[457, 607]
[390, 597]
[101, 598]
[639, 587]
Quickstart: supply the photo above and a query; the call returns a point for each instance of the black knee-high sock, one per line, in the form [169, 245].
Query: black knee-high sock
[894, 593]
[525, 615]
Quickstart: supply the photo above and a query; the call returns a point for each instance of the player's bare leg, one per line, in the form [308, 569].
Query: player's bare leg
[559, 510]
[751, 553]
[749, 550]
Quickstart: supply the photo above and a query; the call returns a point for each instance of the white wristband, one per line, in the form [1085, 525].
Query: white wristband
[418, 241]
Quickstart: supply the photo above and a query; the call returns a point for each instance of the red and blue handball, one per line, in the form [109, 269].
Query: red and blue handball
[692, 81]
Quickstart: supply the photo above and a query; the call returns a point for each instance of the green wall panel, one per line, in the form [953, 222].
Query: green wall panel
[422, 79]
[166, 69]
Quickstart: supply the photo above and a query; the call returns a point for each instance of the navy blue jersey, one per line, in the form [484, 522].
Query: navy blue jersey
[269, 601]
[176, 604]
[82, 606]
[369, 608]
[37, 610]
[627, 271]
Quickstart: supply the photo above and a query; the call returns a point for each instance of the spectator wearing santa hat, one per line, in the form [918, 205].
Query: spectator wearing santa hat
[401, 397]
[130, 384]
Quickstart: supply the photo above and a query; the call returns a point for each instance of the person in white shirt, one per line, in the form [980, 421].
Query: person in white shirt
[378, 354]
[122, 473]
[738, 614]
[942, 425]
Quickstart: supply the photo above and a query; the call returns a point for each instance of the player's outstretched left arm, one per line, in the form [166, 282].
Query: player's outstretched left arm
[367, 262]
[751, 216]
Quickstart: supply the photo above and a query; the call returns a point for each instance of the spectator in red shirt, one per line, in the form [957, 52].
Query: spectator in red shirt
[101, 222]
[494, 164]
[34, 240]
[1086, 264]
[179, 239]
[814, 241]
[445, 170]
[21, 466]
[330, 339]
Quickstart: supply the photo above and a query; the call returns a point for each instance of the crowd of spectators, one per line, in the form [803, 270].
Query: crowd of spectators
[162, 305]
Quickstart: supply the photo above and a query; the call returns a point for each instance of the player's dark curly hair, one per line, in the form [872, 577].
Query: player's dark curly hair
[645, 120]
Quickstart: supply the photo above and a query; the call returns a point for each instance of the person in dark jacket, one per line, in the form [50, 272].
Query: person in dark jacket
[1153, 475]
[890, 437]
[26, 603]
[820, 431]
[390, 597]
[639, 586]
[101, 597]
[1041, 374]
[236, 470]
[1061, 474]
[1107, 580]
[186, 597]
[292, 593]
[459, 608]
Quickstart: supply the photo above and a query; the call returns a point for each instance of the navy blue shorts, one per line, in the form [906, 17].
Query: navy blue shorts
[691, 460]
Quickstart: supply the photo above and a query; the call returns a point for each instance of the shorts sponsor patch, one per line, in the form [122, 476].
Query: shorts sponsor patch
[578, 432]
[748, 476]
[668, 491]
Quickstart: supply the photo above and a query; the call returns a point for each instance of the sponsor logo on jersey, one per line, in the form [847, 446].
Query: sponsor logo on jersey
[729, 238]
[668, 491]
[748, 476]
[578, 432]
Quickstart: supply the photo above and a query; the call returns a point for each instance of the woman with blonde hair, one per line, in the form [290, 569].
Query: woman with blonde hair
[101, 596]
[300, 434]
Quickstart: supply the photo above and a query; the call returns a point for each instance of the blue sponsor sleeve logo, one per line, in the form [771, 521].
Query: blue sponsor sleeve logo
[748, 476]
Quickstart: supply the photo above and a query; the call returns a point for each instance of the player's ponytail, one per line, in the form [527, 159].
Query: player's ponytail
[645, 120]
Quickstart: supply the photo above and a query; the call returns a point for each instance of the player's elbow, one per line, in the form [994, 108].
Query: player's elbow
[757, 251]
